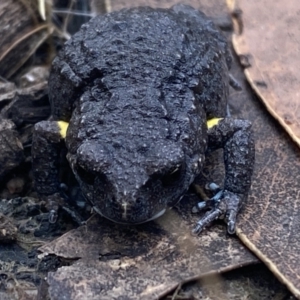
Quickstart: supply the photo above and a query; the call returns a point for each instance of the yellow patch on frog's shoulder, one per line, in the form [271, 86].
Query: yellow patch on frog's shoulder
[213, 122]
[63, 126]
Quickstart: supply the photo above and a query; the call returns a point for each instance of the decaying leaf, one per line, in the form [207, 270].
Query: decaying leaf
[143, 261]
[270, 225]
[267, 38]
[268, 41]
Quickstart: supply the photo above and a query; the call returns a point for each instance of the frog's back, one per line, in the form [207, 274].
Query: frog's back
[168, 50]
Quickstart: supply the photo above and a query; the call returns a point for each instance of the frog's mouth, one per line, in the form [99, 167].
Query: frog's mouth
[159, 214]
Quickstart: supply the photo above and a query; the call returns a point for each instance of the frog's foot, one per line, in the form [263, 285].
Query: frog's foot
[55, 202]
[224, 204]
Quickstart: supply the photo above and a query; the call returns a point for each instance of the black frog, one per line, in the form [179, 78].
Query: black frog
[140, 96]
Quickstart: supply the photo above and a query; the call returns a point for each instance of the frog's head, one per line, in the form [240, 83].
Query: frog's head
[132, 184]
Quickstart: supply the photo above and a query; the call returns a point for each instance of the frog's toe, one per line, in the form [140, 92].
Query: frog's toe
[203, 205]
[210, 203]
[76, 217]
[231, 220]
[233, 203]
[210, 216]
[213, 187]
[200, 206]
[52, 216]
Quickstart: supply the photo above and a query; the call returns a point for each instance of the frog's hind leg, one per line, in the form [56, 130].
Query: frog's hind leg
[235, 137]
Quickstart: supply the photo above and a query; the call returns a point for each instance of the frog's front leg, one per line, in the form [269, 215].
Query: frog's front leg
[46, 145]
[235, 137]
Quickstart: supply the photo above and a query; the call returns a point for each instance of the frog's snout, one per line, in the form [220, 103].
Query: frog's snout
[127, 210]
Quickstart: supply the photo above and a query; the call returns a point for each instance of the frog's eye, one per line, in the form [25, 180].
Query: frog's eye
[172, 176]
[86, 176]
